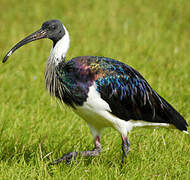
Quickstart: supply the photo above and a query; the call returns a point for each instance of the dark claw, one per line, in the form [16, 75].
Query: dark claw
[67, 158]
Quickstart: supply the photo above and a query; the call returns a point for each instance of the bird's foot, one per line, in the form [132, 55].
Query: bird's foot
[125, 148]
[67, 158]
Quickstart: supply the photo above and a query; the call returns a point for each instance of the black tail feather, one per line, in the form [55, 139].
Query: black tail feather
[167, 113]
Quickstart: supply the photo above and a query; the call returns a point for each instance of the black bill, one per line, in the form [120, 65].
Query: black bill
[34, 36]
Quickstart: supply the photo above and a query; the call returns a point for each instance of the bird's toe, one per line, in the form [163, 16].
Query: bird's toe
[66, 158]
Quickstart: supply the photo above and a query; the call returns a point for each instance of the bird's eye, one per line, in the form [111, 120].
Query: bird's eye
[53, 27]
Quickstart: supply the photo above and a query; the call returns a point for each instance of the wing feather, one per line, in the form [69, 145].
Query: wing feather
[131, 97]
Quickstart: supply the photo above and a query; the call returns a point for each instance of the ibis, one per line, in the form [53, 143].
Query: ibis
[102, 91]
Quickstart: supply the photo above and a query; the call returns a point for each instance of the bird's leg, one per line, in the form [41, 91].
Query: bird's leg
[67, 158]
[125, 147]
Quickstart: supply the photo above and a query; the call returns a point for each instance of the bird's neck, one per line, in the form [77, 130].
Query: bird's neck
[59, 49]
[57, 55]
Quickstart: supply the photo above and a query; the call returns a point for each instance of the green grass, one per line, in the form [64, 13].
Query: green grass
[152, 36]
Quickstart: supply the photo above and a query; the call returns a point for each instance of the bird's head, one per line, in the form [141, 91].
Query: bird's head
[52, 29]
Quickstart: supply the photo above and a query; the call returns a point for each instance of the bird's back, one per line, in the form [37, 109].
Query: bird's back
[128, 94]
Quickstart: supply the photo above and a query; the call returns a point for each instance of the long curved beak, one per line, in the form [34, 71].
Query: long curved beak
[32, 37]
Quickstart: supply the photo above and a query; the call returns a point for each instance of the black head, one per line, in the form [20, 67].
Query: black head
[55, 30]
[52, 29]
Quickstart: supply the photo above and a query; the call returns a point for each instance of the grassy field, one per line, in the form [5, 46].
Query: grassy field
[152, 36]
